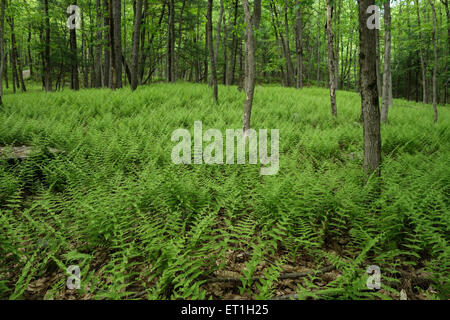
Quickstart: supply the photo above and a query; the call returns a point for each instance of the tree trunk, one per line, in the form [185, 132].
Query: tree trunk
[287, 49]
[337, 21]
[225, 50]
[369, 93]
[250, 70]
[299, 46]
[379, 63]
[435, 63]
[318, 48]
[219, 24]
[180, 33]
[234, 46]
[98, 52]
[117, 21]
[84, 58]
[211, 50]
[387, 88]
[422, 61]
[30, 58]
[283, 75]
[331, 59]
[46, 60]
[5, 68]
[135, 50]
[171, 43]
[2, 51]
[107, 49]
[16, 58]
[13, 71]
[74, 83]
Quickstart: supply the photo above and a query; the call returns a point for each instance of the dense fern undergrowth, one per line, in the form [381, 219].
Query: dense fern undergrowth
[140, 227]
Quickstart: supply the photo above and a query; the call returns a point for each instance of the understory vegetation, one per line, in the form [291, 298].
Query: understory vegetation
[139, 227]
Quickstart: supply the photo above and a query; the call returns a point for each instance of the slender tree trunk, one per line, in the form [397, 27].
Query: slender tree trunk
[299, 46]
[98, 52]
[379, 63]
[331, 59]
[337, 20]
[369, 92]
[142, 53]
[30, 58]
[135, 50]
[234, 47]
[13, 71]
[290, 67]
[211, 50]
[387, 88]
[219, 24]
[16, 57]
[46, 60]
[74, 83]
[252, 22]
[84, 58]
[225, 50]
[5, 67]
[171, 43]
[107, 49]
[283, 75]
[117, 21]
[2, 51]
[180, 33]
[318, 48]
[435, 63]
[422, 61]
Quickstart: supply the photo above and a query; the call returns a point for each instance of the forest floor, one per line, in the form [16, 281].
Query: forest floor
[86, 179]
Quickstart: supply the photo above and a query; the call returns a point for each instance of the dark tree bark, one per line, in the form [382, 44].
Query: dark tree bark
[30, 58]
[211, 50]
[13, 71]
[46, 59]
[117, 20]
[171, 43]
[180, 37]
[422, 60]
[2, 51]
[280, 48]
[135, 50]
[107, 47]
[98, 51]
[299, 45]
[318, 49]
[285, 42]
[74, 83]
[387, 88]
[234, 47]
[369, 93]
[84, 57]
[331, 59]
[17, 62]
[225, 50]
[435, 63]
[5, 67]
[379, 84]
